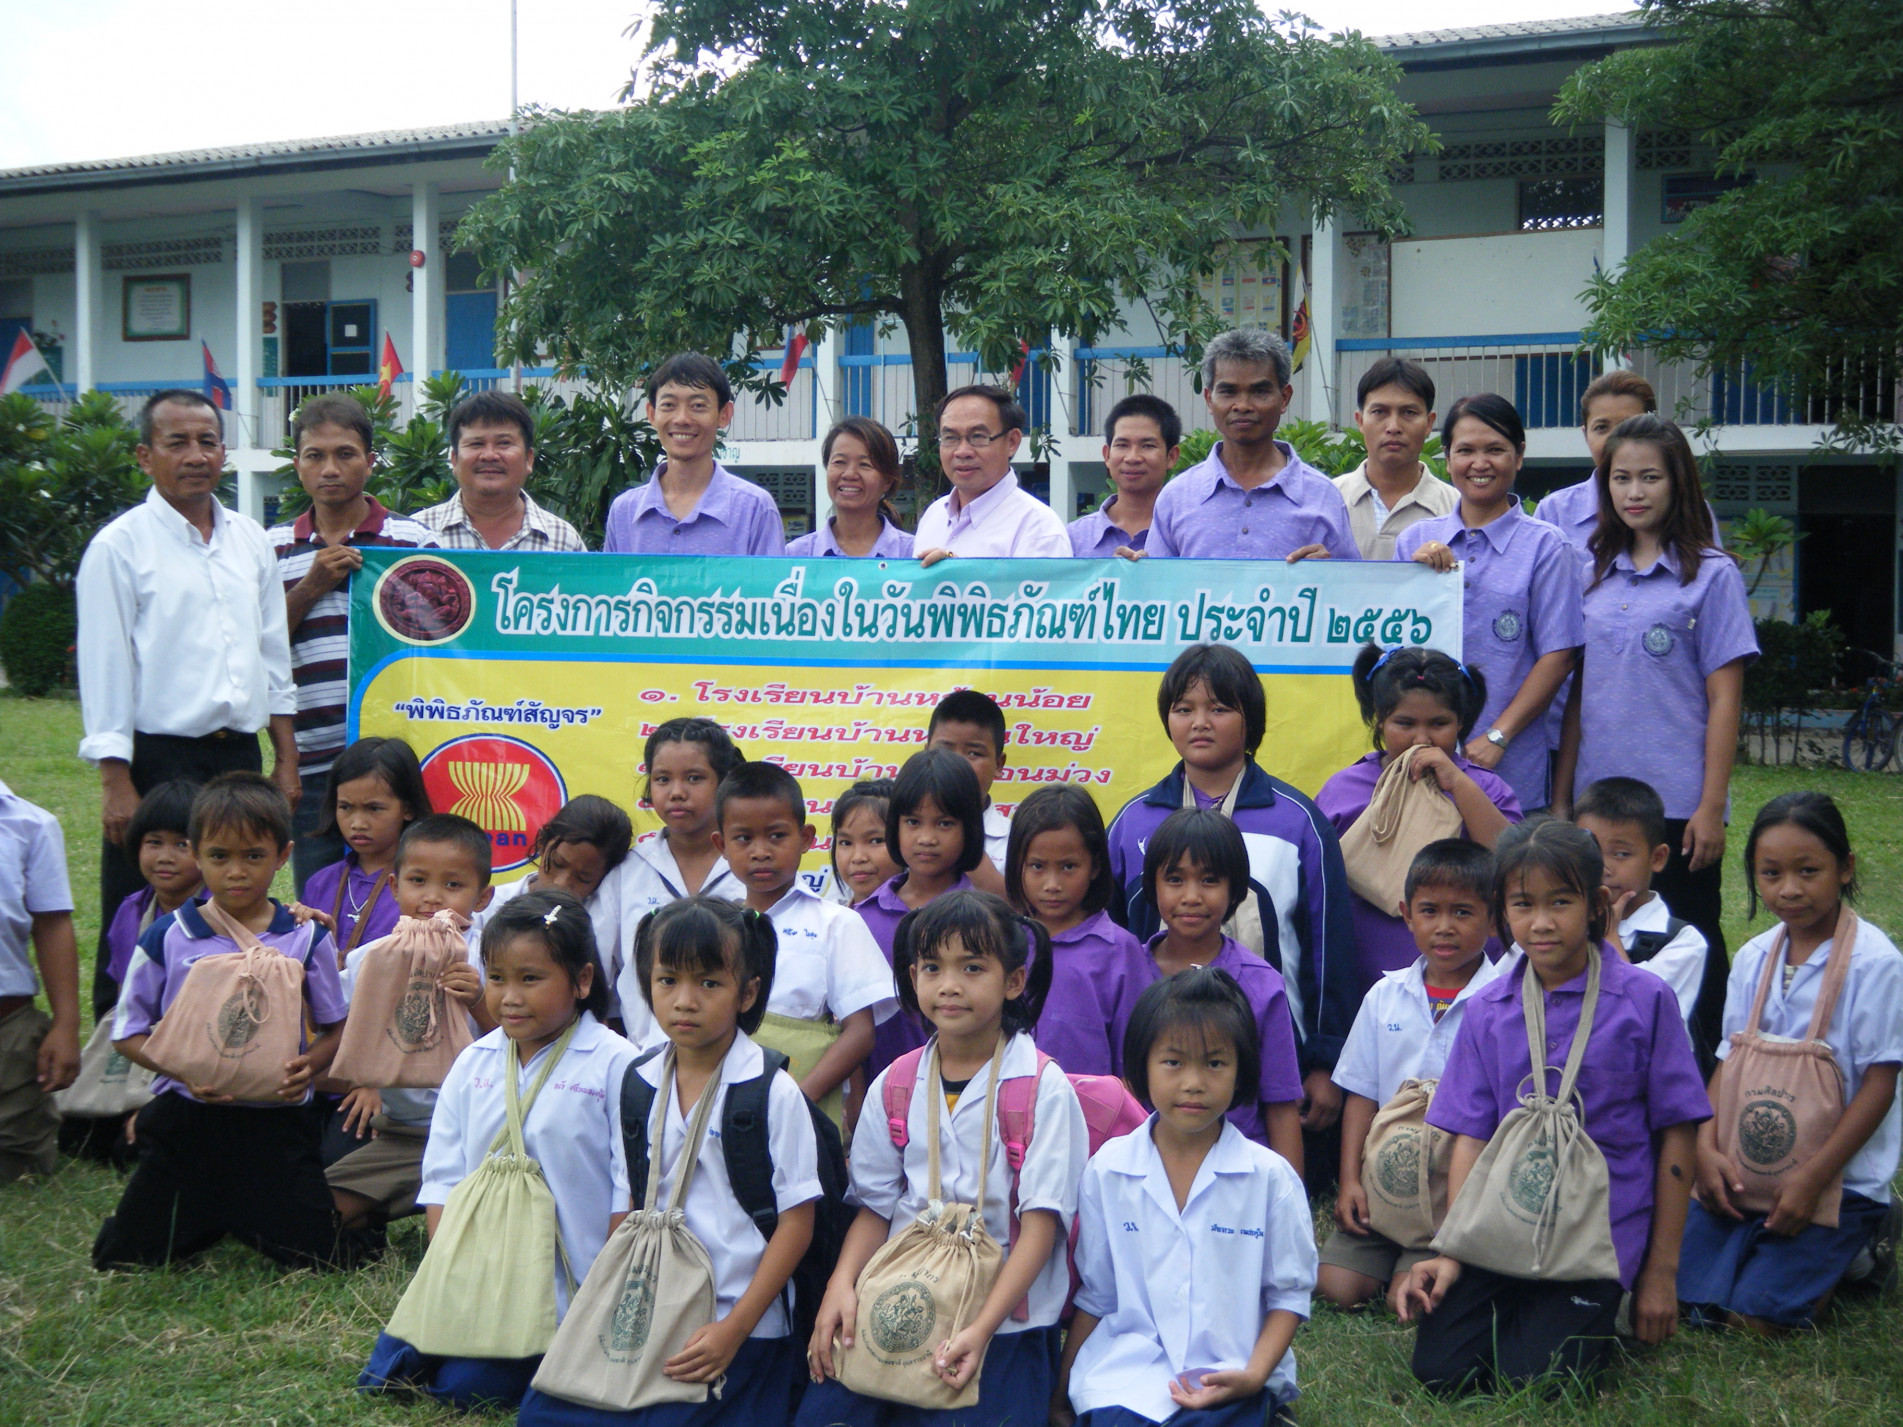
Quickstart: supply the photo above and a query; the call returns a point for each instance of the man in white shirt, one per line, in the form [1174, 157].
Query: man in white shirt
[987, 513]
[1393, 489]
[492, 451]
[183, 649]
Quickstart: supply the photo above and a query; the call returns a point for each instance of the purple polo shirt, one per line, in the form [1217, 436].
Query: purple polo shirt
[1097, 972]
[122, 937]
[379, 918]
[1522, 603]
[172, 945]
[1638, 1078]
[901, 1031]
[732, 517]
[1098, 537]
[1262, 987]
[1650, 645]
[1382, 939]
[1204, 515]
[892, 544]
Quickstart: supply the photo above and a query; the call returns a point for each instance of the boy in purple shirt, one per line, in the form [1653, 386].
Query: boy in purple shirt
[208, 1165]
[38, 1053]
[1253, 498]
[1640, 1103]
[692, 505]
[1142, 436]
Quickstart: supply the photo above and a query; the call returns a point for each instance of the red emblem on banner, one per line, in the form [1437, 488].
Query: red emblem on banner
[504, 786]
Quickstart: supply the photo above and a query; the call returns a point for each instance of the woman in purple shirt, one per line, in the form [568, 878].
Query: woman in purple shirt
[1668, 633]
[1522, 627]
[862, 471]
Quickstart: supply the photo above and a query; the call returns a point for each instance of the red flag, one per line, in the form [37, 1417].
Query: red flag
[388, 367]
[217, 389]
[1024, 355]
[23, 363]
[795, 349]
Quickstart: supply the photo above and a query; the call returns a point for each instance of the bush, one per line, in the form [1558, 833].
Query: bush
[1793, 661]
[37, 630]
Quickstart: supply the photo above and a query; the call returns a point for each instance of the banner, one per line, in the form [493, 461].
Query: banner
[522, 680]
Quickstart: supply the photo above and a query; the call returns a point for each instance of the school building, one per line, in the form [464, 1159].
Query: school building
[291, 261]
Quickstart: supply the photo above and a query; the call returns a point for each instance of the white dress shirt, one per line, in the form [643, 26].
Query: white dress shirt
[1680, 962]
[828, 962]
[179, 634]
[1006, 521]
[1395, 1036]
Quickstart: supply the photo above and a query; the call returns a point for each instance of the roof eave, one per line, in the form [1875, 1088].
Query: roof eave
[1580, 45]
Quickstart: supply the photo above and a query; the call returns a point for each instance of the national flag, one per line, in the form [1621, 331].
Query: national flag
[795, 349]
[1024, 355]
[1298, 332]
[217, 389]
[388, 367]
[22, 363]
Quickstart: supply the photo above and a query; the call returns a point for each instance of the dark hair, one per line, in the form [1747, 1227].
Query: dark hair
[1817, 815]
[1232, 680]
[166, 808]
[177, 396]
[945, 778]
[709, 934]
[1052, 808]
[765, 782]
[592, 819]
[1489, 410]
[331, 409]
[1206, 838]
[1625, 800]
[722, 755]
[1620, 381]
[390, 759]
[1396, 371]
[1687, 531]
[491, 408]
[240, 802]
[448, 830]
[1383, 677]
[1565, 853]
[690, 369]
[874, 793]
[985, 925]
[1010, 415]
[1203, 999]
[969, 706]
[1153, 408]
[1452, 862]
[566, 931]
[883, 450]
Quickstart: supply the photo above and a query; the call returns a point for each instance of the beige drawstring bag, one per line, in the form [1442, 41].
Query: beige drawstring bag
[1404, 1168]
[1780, 1099]
[926, 1284]
[237, 1019]
[1537, 1204]
[486, 1286]
[1403, 816]
[650, 1290]
[404, 1029]
[1245, 924]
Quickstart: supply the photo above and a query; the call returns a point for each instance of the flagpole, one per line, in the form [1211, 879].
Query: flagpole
[515, 360]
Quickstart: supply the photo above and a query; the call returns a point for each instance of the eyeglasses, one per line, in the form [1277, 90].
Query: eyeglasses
[977, 440]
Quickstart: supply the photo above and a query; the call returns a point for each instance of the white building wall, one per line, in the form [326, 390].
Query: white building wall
[1507, 283]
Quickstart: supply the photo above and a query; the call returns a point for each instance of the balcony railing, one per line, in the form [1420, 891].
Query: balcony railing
[1541, 373]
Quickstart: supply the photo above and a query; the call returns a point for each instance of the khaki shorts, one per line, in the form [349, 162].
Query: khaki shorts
[388, 1170]
[1371, 1255]
[29, 1120]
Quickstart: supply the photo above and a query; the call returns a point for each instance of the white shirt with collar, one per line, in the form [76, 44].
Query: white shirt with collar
[647, 879]
[1185, 1290]
[1395, 1036]
[1006, 521]
[894, 1184]
[828, 962]
[1866, 1030]
[573, 1130]
[604, 917]
[997, 834]
[1680, 962]
[1376, 525]
[179, 634]
[733, 1241]
[32, 881]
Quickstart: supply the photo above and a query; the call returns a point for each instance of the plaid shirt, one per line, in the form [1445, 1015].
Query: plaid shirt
[540, 530]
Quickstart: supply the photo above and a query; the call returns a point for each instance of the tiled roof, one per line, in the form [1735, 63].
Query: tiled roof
[1578, 26]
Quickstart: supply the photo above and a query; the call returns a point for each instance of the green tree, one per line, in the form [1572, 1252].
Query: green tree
[1800, 273]
[984, 173]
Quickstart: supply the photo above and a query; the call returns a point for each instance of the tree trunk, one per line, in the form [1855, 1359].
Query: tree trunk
[925, 336]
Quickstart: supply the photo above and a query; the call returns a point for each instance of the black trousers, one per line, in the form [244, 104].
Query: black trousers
[206, 1171]
[1695, 897]
[156, 758]
[1492, 1332]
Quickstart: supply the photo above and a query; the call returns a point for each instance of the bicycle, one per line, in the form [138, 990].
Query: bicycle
[1871, 733]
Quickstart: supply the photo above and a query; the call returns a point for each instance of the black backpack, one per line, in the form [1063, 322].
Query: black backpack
[743, 1143]
[1708, 1007]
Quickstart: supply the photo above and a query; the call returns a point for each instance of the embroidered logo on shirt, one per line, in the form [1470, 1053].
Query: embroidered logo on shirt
[1507, 625]
[1659, 641]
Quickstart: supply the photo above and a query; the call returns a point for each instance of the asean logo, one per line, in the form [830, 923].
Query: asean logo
[506, 787]
[424, 600]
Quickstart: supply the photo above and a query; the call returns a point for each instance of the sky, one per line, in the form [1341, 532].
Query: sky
[97, 79]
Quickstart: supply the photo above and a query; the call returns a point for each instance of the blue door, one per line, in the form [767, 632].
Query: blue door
[470, 331]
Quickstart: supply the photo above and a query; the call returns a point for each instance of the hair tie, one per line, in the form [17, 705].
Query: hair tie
[1389, 654]
[549, 917]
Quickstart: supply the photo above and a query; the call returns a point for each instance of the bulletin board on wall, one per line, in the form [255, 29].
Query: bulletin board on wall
[1249, 287]
[1365, 287]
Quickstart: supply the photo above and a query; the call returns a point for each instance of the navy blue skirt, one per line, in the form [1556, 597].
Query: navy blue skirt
[465, 1383]
[1735, 1266]
[762, 1389]
[1014, 1388]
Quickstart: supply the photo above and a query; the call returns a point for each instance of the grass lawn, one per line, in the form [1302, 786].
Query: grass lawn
[232, 1340]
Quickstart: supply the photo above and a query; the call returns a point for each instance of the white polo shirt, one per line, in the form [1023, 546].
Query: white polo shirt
[1680, 963]
[1395, 1036]
[828, 962]
[1006, 521]
[32, 881]
[1173, 1288]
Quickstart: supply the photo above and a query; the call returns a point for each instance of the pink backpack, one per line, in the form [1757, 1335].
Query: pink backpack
[1110, 1112]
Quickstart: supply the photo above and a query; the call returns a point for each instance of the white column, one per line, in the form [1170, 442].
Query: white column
[826, 411]
[246, 407]
[1616, 230]
[426, 282]
[1324, 309]
[86, 290]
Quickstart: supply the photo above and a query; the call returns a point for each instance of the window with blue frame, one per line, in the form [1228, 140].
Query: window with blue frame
[1547, 387]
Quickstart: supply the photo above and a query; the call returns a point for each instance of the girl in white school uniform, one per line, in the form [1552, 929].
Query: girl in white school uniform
[979, 974]
[1194, 1245]
[539, 956]
[707, 966]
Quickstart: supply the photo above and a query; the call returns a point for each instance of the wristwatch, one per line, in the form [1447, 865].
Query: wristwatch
[1496, 738]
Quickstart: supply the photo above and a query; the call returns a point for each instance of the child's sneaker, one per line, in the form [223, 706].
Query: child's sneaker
[1874, 1267]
